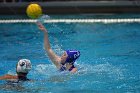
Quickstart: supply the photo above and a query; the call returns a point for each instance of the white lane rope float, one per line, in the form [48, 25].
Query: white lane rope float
[131, 20]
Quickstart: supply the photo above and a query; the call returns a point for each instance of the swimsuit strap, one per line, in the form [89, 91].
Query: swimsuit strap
[63, 68]
[71, 68]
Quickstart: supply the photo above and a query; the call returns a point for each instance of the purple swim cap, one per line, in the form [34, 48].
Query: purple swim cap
[72, 56]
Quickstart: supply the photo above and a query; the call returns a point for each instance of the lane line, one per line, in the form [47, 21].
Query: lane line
[73, 20]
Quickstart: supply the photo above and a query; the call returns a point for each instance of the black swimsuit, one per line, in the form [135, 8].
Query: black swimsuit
[16, 81]
[21, 78]
[63, 68]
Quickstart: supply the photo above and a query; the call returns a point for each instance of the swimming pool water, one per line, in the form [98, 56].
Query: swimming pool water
[109, 62]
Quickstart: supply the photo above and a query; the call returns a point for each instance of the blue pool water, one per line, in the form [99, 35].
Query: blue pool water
[109, 62]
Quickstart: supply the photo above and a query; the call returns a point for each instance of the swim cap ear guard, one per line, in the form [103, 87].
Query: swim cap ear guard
[23, 66]
[72, 56]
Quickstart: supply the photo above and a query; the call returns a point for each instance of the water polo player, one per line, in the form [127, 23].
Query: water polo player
[22, 69]
[64, 62]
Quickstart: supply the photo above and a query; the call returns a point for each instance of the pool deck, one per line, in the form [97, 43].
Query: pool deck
[74, 7]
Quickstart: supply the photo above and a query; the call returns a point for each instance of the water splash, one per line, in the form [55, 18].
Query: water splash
[43, 18]
[102, 70]
[50, 73]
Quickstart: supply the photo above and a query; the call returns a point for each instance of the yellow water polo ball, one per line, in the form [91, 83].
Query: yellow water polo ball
[34, 11]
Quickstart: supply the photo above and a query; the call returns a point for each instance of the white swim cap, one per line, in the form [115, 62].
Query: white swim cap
[24, 66]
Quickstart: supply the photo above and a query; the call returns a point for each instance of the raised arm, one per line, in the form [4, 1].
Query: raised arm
[54, 58]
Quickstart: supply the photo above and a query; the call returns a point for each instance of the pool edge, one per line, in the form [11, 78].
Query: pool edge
[74, 7]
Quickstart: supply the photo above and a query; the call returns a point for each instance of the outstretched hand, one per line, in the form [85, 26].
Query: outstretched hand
[41, 27]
